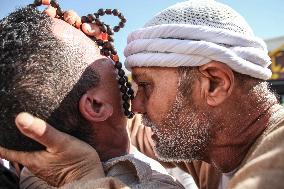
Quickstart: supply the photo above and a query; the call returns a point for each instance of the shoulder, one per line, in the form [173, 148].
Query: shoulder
[139, 171]
[264, 165]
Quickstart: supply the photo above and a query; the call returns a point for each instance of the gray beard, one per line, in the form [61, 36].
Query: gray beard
[184, 133]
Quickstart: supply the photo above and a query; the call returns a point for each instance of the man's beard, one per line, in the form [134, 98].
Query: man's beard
[184, 133]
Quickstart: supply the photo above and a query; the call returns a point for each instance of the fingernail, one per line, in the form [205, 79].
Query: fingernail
[24, 120]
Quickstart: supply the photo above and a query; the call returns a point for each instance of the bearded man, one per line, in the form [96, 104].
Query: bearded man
[201, 75]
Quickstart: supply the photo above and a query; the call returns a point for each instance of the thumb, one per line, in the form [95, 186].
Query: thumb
[40, 131]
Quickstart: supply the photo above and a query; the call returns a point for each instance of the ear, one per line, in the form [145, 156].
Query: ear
[217, 82]
[94, 109]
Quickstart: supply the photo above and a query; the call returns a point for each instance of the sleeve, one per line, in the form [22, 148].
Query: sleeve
[30, 181]
[102, 183]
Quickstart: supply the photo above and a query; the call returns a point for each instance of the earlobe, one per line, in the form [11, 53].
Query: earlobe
[218, 83]
[94, 109]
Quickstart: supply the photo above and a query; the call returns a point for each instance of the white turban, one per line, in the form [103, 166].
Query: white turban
[193, 33]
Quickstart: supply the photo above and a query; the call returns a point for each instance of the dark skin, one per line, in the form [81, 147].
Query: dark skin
[99, 106]
[67, 159]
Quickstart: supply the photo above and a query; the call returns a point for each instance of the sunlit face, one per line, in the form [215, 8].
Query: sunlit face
[181, 129]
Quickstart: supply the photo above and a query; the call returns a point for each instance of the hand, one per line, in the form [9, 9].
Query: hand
[65, 159]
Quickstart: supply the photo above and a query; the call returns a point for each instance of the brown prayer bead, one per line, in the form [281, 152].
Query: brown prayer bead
[91, 29]
[115, 58]
[70, 17]
[45, 2]
[50, 11]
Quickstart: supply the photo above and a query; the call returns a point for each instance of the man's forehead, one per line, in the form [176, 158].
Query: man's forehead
[140, 72]
[149, 72]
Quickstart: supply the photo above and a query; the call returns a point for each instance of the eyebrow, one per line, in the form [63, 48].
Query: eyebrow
[138, 76]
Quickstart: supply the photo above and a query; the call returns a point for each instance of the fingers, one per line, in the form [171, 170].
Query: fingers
[16, 156]
[40, 131]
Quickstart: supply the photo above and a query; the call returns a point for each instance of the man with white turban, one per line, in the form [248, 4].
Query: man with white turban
[201, 75]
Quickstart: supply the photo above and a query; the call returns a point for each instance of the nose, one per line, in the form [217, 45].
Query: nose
[138, 105]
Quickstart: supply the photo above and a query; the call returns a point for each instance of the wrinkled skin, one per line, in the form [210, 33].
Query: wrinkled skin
[59, 164]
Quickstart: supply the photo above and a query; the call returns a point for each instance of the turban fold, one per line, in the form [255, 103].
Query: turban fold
[193, 33]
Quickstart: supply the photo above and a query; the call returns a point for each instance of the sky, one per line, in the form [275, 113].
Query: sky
[266, 17]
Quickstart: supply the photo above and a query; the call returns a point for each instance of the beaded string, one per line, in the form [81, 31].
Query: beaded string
[99, 32]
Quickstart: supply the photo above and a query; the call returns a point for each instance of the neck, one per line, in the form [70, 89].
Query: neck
[110, 141]
[239, 132]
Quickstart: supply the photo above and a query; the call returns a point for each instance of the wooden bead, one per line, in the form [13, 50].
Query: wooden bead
[45, 2]
[37, 2]
[125, 97]
[114, 51]
[126, 105]
[115, 12]
[54, 3]
[121, 81]
[91, 29]
[104, 36]
[84, 19]
[123, 89]
[121, 16]
[91, 17]
[121, 73]
[131, 115]
[96, 15]
[130, 91]
[115, 58]
[110, 38]
[100, 42]
[98, 22]
[50, 11]
[59, 12]
[70, 17]
[110, 31]
[101, 12]
[108, 45]
[116, 28]
[78, 23]
[108, 11]
[103, 28]
[126, 78]
[123, 20]
[121, 24]
[118, 65]
[105, 52]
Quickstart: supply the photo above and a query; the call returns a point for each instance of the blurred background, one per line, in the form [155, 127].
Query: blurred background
[265, 17]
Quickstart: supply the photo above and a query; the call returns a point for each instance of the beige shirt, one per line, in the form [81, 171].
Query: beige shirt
[263, 167]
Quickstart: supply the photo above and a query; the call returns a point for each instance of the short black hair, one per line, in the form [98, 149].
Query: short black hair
[42, 75]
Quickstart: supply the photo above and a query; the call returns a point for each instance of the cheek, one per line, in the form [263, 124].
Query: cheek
[159, 104]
